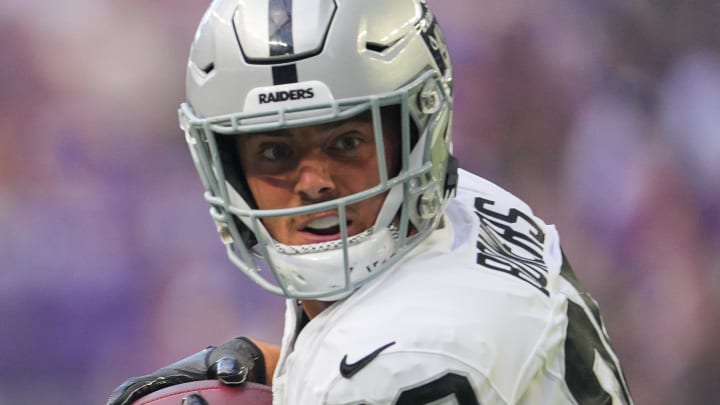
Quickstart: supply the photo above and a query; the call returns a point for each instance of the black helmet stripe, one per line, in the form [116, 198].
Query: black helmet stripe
[284, 74]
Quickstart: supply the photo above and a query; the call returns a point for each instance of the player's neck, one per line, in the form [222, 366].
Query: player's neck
[313, 308]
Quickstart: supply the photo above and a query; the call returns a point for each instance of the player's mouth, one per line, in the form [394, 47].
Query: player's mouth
[325, 228]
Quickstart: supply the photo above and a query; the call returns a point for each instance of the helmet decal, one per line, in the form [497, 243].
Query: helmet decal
[434, 39]
[287, 95]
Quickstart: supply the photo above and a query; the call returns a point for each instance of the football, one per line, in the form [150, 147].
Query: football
[214, 392]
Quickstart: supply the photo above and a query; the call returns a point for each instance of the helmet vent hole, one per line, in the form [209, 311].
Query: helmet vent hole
[376, 47]
[208, 68]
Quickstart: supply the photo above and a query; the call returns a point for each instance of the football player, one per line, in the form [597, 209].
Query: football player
[321, 131]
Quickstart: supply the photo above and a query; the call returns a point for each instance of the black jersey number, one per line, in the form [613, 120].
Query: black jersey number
[439, 388]
[592, 372]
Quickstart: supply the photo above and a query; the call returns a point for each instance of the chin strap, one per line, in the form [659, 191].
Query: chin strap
[451, 175]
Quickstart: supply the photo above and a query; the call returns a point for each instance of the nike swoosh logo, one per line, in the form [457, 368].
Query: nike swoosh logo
[349, 370]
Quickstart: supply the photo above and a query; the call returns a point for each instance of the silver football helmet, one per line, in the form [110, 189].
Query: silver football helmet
[263, 65]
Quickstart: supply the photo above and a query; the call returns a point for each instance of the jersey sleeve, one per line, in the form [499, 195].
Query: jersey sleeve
[592, 369]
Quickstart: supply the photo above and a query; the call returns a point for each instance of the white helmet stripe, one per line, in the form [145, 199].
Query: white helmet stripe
[251, 17]
[312, 19]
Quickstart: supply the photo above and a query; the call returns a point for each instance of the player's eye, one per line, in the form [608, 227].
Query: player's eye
[276, 151]
[346, 143]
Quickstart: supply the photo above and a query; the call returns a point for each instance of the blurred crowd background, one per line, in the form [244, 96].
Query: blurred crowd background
[603, 115]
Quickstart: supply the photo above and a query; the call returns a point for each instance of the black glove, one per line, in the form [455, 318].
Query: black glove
[232, 363]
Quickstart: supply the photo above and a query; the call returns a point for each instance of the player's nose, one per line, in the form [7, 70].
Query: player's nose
[315, 181]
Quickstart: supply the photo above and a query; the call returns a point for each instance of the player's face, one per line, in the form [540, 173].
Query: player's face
[301, 166]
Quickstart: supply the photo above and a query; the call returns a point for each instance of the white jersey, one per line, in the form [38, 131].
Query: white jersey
[484, 311]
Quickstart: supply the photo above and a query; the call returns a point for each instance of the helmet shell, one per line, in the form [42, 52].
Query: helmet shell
[271, 64]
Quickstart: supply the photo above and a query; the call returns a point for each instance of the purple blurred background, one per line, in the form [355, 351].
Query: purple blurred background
[603, 115]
